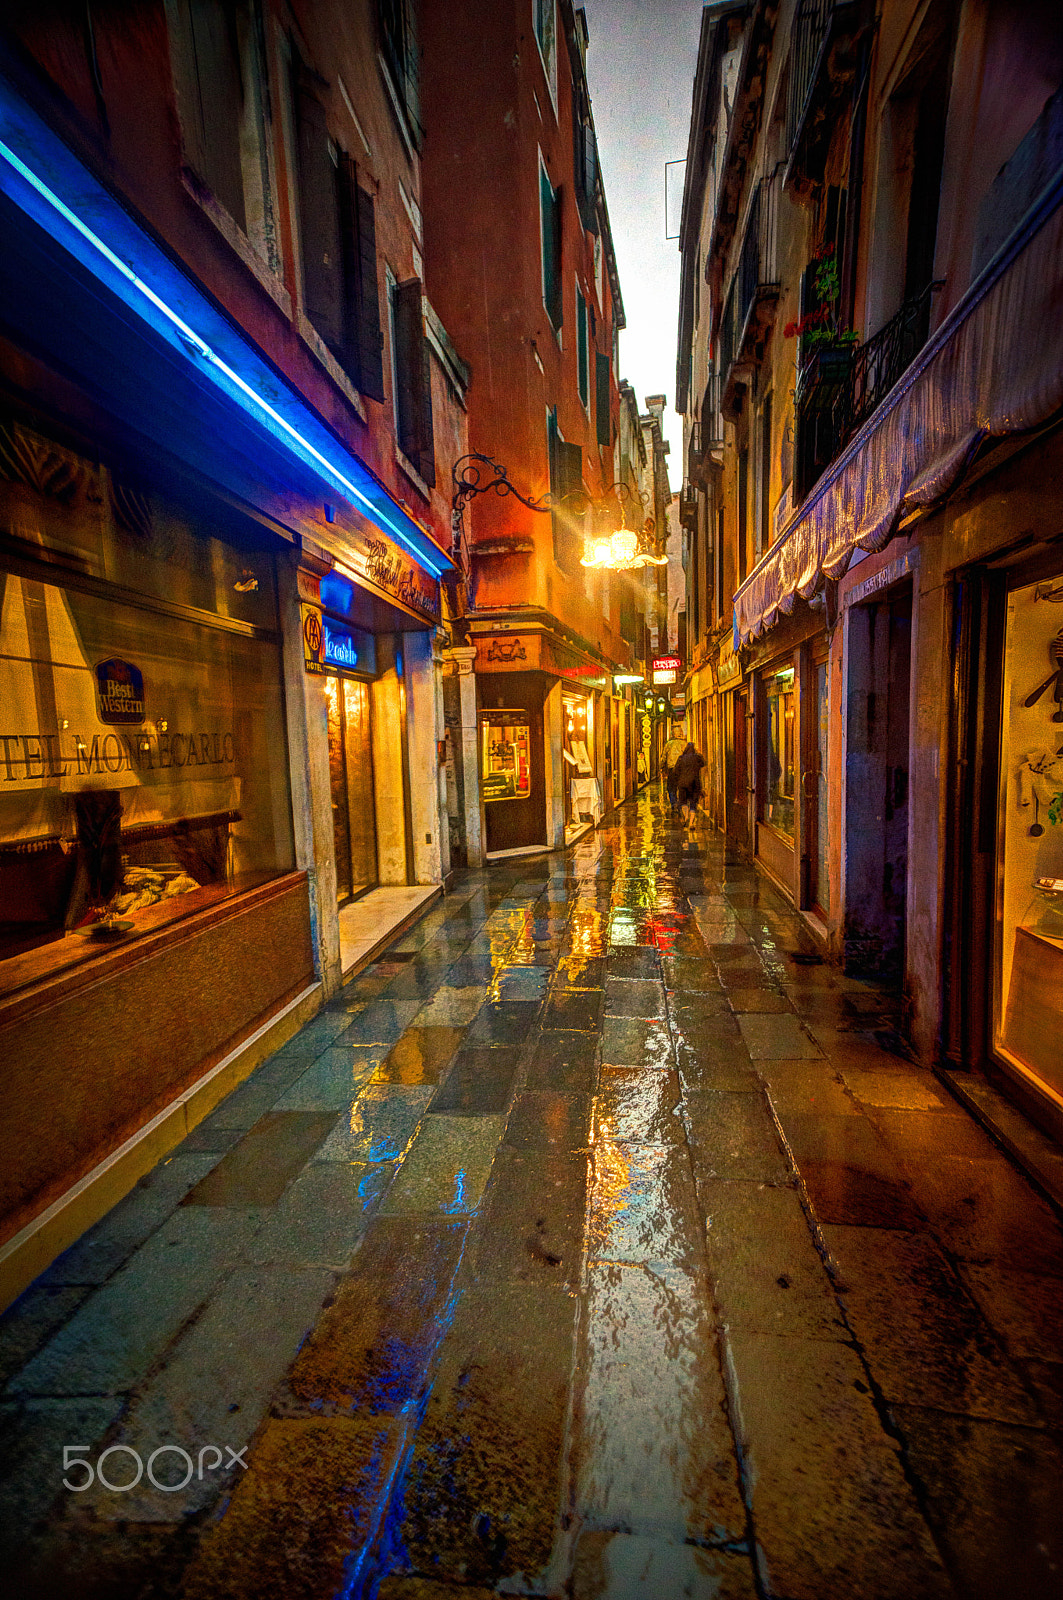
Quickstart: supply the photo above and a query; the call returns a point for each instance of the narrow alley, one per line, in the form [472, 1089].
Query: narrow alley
[595, 1241]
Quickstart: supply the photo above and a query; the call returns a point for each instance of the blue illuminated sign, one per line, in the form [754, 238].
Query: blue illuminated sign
[348, 649]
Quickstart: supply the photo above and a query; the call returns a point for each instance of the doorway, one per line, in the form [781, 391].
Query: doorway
[814, 786]
[876, 769]
[350, 752]
[738, 773]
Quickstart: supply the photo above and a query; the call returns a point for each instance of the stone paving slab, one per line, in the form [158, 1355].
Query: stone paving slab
[807, 1420]
[932, 1345]
[480, 1491]
[769, 1275]
[585, 1244]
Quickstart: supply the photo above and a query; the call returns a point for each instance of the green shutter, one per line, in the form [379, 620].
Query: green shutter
[581, 347]
[603, 418]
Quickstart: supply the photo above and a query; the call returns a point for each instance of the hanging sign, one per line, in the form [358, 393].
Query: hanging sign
[666, 669]
[313, 638]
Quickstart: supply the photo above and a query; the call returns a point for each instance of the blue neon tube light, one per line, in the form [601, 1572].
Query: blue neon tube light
[137, 269]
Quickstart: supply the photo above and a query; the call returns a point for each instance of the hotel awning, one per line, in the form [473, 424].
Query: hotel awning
[993, 368]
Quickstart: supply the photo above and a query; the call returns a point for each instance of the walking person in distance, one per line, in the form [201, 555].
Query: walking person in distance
[672, 751]
[687, 774]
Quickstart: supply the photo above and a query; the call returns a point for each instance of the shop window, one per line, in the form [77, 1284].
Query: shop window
[505, 756]
[1029, 941]
[337, 230]
[777, 806]
[219, 70]
[143, 761]
[143, 768]
[583, 798]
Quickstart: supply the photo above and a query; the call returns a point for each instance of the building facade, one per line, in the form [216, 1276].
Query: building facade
[520, 263]
[228, 421]
[871, 375]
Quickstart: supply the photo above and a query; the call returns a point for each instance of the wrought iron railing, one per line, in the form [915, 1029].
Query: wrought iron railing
[877, 364]
[843, 384]
[810, 30]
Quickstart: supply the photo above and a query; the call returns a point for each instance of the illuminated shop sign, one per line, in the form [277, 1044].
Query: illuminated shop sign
[331, 646]
[666, 669]
[119, 691]
[347, 649]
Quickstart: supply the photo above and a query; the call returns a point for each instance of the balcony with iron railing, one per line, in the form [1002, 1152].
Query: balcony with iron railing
[823, 65]
[749, 310]
[841, 385]
[705, 444]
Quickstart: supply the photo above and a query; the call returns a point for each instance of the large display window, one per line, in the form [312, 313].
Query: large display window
[777, 803]
[143, 768]
[1028, 1001]
[582, 795]
[505, 755]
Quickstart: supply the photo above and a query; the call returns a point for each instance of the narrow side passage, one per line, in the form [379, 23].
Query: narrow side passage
[586, 1245]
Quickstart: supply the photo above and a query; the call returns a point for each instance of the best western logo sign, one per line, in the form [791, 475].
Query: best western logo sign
[119, 691]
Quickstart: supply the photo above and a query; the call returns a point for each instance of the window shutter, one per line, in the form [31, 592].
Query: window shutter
[370, 335]
[413, 376]
[601, 400]
[319, 221]
[411, 65]
[582, 363]
[567, 539]
[557, 305]
[209, 64]
[570, 464]
[546, 217]
[363, 339]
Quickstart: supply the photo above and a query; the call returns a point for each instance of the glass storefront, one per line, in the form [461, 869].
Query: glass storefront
[577, 742]
[779, 768]
[505, 755]
[350, 747]
[143, 757]
[1028, 1001]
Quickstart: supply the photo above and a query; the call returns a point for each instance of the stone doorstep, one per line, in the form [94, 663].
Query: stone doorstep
[377, 919]
[1033, 1151]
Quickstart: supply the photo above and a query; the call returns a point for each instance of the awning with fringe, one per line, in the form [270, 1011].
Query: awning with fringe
[993, 368]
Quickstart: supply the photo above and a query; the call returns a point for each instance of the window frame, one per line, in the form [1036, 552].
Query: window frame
[546, 43]
[552, 290]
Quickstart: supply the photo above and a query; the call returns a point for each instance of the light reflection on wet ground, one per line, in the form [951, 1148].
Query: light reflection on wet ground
[587, 1245]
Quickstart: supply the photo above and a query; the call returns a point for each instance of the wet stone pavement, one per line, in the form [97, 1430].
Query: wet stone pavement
[588, 1244]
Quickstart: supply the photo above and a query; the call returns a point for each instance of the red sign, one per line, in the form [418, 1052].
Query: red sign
[666, 663]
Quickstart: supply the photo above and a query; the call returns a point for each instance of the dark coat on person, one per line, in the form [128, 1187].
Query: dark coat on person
[686, 774]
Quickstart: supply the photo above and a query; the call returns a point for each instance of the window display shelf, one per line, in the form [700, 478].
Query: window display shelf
[36, 976]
